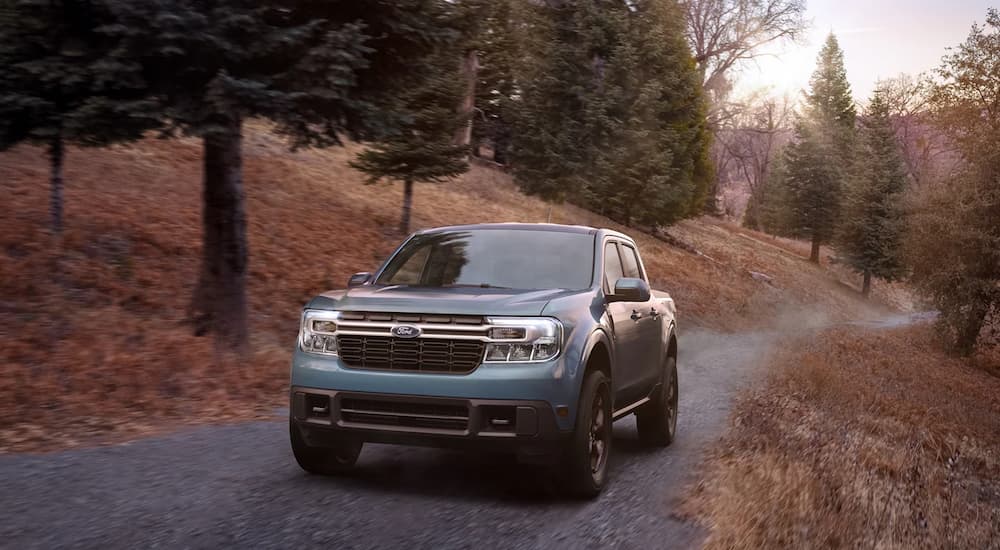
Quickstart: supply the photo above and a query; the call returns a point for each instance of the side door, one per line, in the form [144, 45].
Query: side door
[627, 356]
[649, 344]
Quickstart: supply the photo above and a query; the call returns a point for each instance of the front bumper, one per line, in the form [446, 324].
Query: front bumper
[552, 383]
[524, 427]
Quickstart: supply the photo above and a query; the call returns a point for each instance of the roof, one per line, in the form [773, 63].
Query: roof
[582, 229]
[516, 226]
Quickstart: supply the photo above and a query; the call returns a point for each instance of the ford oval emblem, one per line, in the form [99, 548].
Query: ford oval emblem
[405, 331]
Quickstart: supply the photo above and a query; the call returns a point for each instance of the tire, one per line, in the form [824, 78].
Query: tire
[657, 420]
[589, 449]
[333, 460]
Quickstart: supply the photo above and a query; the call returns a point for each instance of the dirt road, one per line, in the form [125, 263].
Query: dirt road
[237, 485]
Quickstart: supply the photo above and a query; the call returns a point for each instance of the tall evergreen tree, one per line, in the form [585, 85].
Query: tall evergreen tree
[829, 101]
[819, 158]
[318, 70]
[611, 113]
[423, 148]
[872, 223]
[550, 151]
[497, 49]
[60, 83]
[774, 209]
[813, 178]
[654, 164]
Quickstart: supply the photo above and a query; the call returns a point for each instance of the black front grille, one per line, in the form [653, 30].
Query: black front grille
[405, 413]
[434, 319]
[421, 354]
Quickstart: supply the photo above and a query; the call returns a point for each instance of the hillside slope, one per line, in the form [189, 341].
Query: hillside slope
[920, 429]
[94, 325]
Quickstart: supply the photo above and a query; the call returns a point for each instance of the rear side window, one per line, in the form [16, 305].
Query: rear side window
[631, 262]
[612, 266]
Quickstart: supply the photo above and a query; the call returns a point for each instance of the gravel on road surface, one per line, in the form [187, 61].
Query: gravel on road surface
[238, 485]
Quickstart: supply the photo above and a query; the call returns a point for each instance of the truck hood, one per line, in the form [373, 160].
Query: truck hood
[450, 301]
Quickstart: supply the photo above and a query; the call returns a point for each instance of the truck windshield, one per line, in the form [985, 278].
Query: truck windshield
[494, 258]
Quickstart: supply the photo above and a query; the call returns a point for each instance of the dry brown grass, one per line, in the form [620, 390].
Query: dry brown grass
[859, 440]
[94, 340]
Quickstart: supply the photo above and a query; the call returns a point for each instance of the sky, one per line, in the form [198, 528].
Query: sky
[880, 39]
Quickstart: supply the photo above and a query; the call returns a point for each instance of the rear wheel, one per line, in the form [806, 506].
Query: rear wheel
[657, 420]
[590, 447]
[336, 459]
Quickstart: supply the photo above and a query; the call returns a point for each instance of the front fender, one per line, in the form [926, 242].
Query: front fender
[597, 336]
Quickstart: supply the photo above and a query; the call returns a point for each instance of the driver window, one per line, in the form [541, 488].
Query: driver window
[631, 262]
[412, 270]
[612, 266]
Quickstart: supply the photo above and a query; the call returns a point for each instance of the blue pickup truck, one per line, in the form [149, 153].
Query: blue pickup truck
[528, 339]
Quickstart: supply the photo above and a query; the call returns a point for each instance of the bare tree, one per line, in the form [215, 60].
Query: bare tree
[927, 152]
[750, 139]
[722, 35]
[725, 33]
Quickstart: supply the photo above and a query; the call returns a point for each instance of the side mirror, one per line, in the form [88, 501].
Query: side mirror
[358, 279]
[630, 290]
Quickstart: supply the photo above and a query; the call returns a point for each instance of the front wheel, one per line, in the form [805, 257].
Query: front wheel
[590, 447]
[333, 460]
[657, 420]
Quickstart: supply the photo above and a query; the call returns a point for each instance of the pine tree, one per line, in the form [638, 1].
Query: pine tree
[653, 166]
[829, 101]
[775, 207]
[611, 113]
[423, 149]
[813, 183]
[60, 83]
[819, 158]
[872, 223]
[550, 150]
[495, 86]
[680, 110]
[318, 70]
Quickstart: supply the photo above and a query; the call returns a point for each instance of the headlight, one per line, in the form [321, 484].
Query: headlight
[318, 333]
[530, 340]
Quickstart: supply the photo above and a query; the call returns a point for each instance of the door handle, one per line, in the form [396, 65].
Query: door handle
[636, 315]
[654, 313]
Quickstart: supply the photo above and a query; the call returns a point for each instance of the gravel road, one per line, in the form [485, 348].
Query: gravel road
[238, 485]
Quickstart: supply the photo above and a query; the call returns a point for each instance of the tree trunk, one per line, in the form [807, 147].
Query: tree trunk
[56, 184]
[469, 67]
[967, 333]
[711, 206]
[814, 253]
[404, 222]
[866, 287]
[501, 144]
[219, 304]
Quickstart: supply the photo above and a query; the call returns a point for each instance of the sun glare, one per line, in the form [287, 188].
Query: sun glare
[784, 71]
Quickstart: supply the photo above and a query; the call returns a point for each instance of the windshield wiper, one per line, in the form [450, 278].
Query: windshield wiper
[475, 285]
